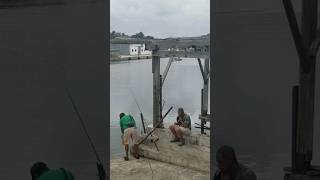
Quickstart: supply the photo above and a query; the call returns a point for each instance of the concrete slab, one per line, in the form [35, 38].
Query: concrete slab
[139, 169]
[300, 177]
[171, 162]
[194, 155]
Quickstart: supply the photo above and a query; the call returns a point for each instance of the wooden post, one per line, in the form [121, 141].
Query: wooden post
[206, 86]
[205, 94]
[156, 88]
[295, 102]
[307, 88]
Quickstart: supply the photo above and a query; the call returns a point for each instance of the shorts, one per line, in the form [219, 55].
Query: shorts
[130, 134]
[185, 131]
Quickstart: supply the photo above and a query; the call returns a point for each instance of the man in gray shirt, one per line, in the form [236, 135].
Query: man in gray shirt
[181, 127]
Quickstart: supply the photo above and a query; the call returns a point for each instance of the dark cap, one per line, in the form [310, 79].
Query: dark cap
[37, 169]
[121, 115]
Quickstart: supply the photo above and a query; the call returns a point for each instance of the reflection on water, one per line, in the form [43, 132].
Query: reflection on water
[182, 87]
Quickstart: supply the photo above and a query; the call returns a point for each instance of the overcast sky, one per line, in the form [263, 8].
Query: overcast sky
[161, 18]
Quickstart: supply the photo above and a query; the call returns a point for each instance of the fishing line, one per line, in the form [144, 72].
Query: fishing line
[142, 120]
[141, 114]
[101, 171]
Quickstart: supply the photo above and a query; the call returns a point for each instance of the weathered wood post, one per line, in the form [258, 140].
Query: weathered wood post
[303, 118]
[205, 94]
[156, 88]
[307, 88]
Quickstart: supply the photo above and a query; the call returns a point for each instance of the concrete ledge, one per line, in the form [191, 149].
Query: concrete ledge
[194, 155]
[139, 169]
[300, 177]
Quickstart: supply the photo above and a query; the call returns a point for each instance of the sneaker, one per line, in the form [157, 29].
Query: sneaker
[126, 158]
[175, 140]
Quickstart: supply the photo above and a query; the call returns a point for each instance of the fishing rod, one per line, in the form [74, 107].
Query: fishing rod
[141, 115]
[155, 126]
[101, 171]
[144, 129]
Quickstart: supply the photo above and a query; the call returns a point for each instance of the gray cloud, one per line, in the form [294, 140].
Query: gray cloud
[161, 18]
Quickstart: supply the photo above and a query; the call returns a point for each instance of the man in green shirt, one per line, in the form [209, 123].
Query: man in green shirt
[40, 171]
[129, 133]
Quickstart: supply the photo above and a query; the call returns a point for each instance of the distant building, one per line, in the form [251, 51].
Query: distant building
[130, 49]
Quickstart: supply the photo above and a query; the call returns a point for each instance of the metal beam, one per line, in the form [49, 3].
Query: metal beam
[180, 43]
[183, 54]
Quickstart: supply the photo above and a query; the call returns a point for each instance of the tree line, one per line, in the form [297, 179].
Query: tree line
[140, 35]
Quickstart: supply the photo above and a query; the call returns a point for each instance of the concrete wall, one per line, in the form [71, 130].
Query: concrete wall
[122, 49]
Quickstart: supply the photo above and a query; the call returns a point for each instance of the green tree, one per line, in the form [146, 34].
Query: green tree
[139, 35]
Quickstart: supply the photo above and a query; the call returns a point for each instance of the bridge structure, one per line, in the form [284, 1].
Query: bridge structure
[307, 42]
[198, 48]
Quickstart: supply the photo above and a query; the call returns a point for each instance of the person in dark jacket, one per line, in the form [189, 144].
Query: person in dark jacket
[229, 168]
[40, 171]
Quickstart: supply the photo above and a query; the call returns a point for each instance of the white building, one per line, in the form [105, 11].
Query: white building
[131, 49]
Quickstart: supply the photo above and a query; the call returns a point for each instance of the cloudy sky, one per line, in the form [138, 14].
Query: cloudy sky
[161, 18]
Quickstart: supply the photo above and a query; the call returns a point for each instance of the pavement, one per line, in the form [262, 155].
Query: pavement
[188, 162]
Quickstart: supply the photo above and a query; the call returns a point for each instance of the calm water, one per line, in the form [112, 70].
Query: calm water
[182, 87]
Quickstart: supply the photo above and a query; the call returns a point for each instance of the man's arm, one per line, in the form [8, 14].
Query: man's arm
[178, 121]
[187, 123]
[133, 121]
[121, 126]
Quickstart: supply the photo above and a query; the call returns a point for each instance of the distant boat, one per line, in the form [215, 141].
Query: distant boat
[177, 59]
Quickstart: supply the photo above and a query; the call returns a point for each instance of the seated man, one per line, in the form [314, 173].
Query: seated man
[129, 132]
[181, 127]
[229, 168]
[40, 171]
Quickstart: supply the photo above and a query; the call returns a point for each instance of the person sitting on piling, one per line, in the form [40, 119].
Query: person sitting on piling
[181, 127]
[40, 171]
[129, 132]
[229, 168]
